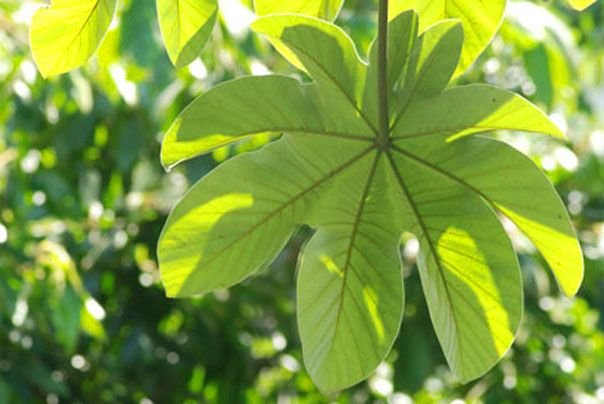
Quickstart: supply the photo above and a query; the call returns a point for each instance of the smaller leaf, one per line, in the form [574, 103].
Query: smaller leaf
[581, 4]
[186, 26]
[402, 35]
[66, 34]
[469, 272]
[434, 58]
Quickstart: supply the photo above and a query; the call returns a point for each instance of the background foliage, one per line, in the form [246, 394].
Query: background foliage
[83, 198]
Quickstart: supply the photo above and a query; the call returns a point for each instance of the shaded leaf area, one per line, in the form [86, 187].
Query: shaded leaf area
[360, 193]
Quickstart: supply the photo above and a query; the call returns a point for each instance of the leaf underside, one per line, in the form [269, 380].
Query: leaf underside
[435, 178]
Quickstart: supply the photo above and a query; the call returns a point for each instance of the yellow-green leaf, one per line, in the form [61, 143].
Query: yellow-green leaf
[66, 34]
[186, 26]
[581, 4]
[326, 9]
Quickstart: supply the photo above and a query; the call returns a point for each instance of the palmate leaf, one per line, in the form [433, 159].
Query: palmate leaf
[330, 171]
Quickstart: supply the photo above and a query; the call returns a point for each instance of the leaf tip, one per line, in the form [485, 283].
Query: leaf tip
[570, 289]
[168, 156]
[167, 162]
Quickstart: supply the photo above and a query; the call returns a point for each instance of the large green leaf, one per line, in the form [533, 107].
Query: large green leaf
[186, 26]
[480, 20]
[66, 34]
[359, 193]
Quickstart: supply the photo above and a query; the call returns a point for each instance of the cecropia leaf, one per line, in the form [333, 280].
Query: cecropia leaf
[186, 26]
[331, 172]
[66, 34]
[480, 20]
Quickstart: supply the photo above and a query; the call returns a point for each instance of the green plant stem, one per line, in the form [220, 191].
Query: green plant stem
[384, 116]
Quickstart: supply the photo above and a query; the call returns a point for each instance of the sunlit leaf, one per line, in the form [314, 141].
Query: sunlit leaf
[331, 172]
[186, 26]
[581, 4]
[66, 34]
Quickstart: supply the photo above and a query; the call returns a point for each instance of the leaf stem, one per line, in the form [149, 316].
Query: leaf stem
[383, 111]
